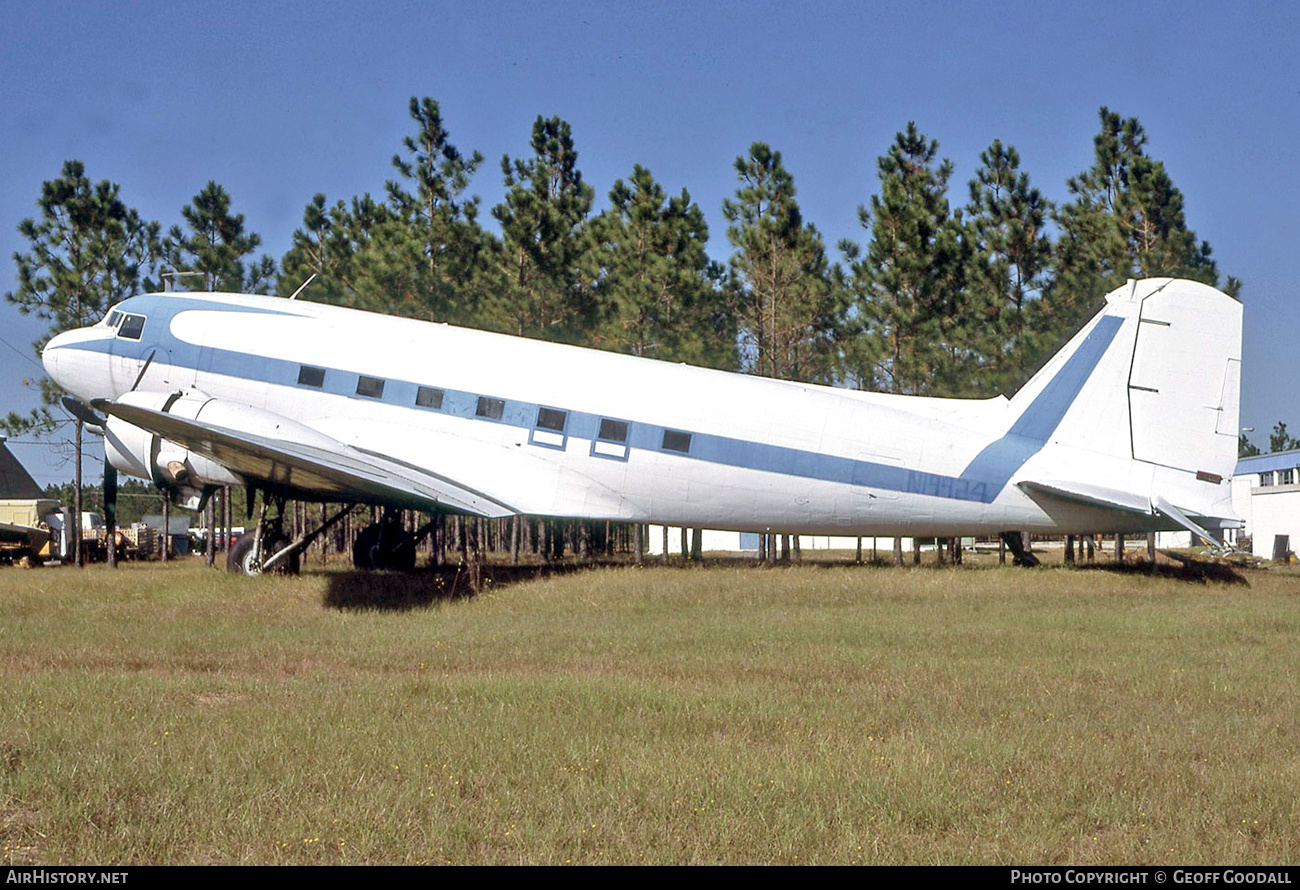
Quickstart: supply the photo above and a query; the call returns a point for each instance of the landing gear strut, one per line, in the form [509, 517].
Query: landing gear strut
[268, 549]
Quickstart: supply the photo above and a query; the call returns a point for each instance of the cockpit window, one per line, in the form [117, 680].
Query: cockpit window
[132, 326]
[114, 319]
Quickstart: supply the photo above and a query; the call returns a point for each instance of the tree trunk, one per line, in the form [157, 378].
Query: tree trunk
[110, 514]
[210, 520]
[74, 527]
[167, 527]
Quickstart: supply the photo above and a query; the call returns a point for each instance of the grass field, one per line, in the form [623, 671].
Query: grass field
[731, 714]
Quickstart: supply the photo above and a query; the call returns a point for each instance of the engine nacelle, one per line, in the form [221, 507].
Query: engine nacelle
[138, 452]
[186, 476]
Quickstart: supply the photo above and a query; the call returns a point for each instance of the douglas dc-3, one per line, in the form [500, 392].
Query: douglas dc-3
[1131, 427]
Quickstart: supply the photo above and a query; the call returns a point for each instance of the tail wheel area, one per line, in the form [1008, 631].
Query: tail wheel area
[244, 558]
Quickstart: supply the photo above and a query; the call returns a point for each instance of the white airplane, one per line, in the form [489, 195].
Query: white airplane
[1131, 427]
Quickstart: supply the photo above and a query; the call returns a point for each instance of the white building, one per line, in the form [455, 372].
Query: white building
[1266, 493]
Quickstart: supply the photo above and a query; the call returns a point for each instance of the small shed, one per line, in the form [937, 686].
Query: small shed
[178, 531]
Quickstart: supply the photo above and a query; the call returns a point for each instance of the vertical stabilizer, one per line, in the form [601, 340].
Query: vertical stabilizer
[1140, 409]
[1184, 389]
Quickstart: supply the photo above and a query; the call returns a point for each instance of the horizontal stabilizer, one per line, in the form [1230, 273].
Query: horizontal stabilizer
[339, 469]
[1111, 499]
[1091, 495]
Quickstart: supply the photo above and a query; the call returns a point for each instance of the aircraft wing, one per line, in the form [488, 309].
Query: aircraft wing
[338, 472]
[1113, 499]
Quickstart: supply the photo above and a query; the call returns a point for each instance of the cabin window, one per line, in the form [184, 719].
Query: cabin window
[675, 440]
[370, 387]
[613, 430]
[611, 439]
[492, 409]
[428, 397]
[551, 419]
[1266, 478]
[132, 327]
[548, 431]
[309, 376]
[1286, 477]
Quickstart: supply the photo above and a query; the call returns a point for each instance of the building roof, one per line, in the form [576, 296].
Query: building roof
[15, 482]
[1263, 463]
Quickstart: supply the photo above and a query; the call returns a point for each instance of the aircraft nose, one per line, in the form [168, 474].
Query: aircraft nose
[50, 355]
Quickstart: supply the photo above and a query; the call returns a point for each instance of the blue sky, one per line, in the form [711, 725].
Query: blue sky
[279, 100]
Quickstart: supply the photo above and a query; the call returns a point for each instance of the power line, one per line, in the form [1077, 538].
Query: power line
[25, 356]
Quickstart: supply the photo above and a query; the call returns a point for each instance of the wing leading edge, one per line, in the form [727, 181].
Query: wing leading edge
[338, 471]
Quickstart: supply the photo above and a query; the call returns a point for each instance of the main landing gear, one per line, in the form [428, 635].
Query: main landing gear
[268, 549]
[386, 544]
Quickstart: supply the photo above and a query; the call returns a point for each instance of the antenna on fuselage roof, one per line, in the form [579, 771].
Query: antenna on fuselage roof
[168, 279]
[302, 287]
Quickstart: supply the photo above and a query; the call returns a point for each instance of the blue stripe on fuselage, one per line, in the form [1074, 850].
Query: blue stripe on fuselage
[1000, 459]
[981, 481]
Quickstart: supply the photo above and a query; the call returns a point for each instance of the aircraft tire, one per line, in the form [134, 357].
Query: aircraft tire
[240, 559]
[370, 551]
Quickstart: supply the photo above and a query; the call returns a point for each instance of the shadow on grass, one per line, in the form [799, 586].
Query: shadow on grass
[1191, 570]
[402, 591]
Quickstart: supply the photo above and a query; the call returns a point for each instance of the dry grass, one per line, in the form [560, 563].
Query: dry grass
[728, 714]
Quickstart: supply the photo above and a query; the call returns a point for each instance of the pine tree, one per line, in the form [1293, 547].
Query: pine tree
[1281, 440]
[1011, 262]
[442, 220]
[215, 244]
[654, 283]
[789, 316]
[1126, 221]
[909, 284]
[541, 219]
[87, 251]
